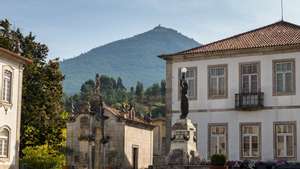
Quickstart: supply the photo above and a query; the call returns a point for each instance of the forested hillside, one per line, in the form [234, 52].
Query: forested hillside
[133, 59]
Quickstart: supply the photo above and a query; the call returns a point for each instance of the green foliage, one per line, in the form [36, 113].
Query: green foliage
[218, 159]
[42, 118]
[114, 94]
[43, 156]
[139, 91]
[120, 85]
[87, 90]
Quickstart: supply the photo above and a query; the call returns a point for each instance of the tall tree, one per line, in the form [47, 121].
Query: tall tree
[120, 85]
[87, 90]
[139, 91]
[42, 120]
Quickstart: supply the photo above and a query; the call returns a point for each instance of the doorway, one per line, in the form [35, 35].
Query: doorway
[135, 157]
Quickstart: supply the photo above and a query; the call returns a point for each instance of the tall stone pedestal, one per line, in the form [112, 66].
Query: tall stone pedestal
[183, 142]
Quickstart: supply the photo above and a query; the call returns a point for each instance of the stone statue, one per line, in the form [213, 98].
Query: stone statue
[184, 100]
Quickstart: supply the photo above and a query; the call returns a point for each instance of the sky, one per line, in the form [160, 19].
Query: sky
[72, 27]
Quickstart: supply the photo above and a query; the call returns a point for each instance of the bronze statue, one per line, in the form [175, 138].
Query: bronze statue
[184, 100]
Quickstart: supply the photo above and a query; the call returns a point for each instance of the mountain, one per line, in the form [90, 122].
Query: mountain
[133, 59]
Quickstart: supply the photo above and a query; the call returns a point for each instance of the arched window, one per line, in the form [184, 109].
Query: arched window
[4, 138]
[7, 82]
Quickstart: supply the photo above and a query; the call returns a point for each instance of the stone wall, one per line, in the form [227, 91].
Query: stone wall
[142, 139]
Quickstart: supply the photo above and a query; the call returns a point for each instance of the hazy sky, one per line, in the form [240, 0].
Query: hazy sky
[71, 27]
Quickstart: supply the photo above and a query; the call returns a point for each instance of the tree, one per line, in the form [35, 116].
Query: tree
[139, 91]
[42, 110]
[132, 90]
[163, 90]
[120, 85]
[87, 90]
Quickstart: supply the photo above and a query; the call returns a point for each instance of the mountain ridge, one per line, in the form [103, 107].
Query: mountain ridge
[133, 59]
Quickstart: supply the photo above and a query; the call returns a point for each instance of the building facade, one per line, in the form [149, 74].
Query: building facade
[11, 68]
[244, 93]
[130, 141]
[159, 139]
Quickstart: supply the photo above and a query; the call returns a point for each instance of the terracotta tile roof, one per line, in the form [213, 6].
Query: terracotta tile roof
[277, 34]
[124, 116]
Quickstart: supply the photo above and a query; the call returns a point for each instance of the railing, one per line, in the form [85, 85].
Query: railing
[249, 101]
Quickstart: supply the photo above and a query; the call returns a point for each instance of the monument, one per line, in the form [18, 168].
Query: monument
[183, 147]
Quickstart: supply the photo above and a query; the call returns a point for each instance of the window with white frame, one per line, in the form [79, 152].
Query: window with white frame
[217, 81]
[191, 79]
[250, 140]
[249, 77]
[285, 139]
[217, 139]
[284, 77]
[4, 138]
[7, 84]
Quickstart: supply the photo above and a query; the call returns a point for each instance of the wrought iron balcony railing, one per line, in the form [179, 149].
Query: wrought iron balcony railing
[249, 101]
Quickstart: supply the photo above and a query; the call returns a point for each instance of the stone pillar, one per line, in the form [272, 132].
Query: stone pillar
[184, 142]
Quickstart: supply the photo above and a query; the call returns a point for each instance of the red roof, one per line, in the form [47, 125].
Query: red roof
[277, 34]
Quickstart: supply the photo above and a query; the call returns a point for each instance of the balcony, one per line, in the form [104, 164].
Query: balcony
[249, 101]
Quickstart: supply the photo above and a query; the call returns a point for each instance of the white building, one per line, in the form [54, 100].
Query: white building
[244, 93]
[11, 72]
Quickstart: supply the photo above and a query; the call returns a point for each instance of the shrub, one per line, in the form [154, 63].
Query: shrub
[218, 159]
[44, 157]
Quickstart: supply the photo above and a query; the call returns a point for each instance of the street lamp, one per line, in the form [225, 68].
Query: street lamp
[183, 73]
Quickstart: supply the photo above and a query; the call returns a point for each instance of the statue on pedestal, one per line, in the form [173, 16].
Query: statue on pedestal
[184, 99]
[183, 147]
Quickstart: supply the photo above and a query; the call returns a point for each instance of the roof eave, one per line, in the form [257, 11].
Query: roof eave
[16, 56]
[231, 52]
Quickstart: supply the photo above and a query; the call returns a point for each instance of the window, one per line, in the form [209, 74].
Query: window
[250, 140]
[285, 140]
[284, 77]
[4, 135]
[249, 77]
[191, 78]
[7, 81]
[217, 139]
[217, 81]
